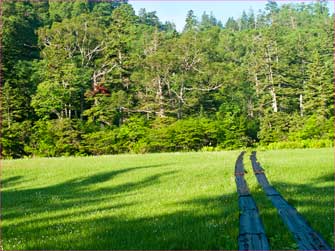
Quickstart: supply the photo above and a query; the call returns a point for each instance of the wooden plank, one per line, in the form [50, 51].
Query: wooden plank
[306, 237]
[251, 231]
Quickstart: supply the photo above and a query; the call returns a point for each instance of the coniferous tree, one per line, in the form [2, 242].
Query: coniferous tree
[81, 74]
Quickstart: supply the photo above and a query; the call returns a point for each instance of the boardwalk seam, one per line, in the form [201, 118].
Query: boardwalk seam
[251, 231]
[305, 236]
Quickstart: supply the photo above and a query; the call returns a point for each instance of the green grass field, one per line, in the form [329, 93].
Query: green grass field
[156, 201]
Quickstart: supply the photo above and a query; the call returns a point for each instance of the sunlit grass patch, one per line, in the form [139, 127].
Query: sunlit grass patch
[156, 201]
[305, 178]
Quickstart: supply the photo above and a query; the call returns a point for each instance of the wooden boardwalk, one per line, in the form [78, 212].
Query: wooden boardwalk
[251, 234]
[305, 236]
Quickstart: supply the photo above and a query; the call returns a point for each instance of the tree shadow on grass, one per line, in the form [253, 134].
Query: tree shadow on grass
[326, 178]
[11, 181]
[209, 223]
[60, 217]
[71, 193]
[315, 203]
[206, 224]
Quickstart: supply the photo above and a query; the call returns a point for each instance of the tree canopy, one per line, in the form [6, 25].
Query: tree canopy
[87, 77]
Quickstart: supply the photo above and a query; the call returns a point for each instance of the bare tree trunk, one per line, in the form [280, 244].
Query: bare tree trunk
[257, 84]
[180, 102]
[121, 116]
[301, 105]
[160, 97]
[272, 88]
[293, 24]
[81, 103]
[179, 114]
[274, 99]
[250, 108]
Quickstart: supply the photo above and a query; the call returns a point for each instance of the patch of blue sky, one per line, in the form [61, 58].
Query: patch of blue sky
[175, 11]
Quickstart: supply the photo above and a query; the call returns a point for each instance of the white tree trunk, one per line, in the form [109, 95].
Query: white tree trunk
[272, 88]
[274, 99]
[160, 98]
[301, 105]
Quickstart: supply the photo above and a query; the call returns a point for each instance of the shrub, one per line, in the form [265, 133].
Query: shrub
[132, 135]
[232, 132]
[60, 137]
[159, 136]
[274, 127]
[310, 143]
[15, 138]
[313, 127]
[101, 142]
[193, 134]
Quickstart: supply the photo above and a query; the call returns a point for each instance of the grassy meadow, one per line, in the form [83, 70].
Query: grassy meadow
[156, 201]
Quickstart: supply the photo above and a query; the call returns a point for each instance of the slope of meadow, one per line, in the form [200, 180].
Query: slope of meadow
[156, 201]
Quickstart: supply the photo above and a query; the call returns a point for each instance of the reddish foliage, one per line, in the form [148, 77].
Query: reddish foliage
[100, 89]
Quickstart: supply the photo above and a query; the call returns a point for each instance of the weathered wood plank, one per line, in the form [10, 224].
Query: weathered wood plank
[251, 231]
[305, 236]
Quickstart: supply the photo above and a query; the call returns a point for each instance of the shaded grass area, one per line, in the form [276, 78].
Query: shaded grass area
[157, 201]
[305, 178]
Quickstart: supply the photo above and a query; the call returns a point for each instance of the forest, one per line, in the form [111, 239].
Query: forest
[87, 77]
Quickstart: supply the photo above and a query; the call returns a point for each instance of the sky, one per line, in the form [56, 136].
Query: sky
[175, 11]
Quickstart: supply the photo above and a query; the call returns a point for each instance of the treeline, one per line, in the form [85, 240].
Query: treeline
[89, 77]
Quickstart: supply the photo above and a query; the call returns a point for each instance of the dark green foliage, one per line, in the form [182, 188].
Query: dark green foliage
[15, 138]
[275, 127]
[19, 20]
[314, 127]
[160, 137]
[100, 142]
[60, 10]
[232, 133]
[149, 18]
[131, 135]
[192, 134]
[191, 21]
[91, 77]
[59, 137]
[231, 24]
